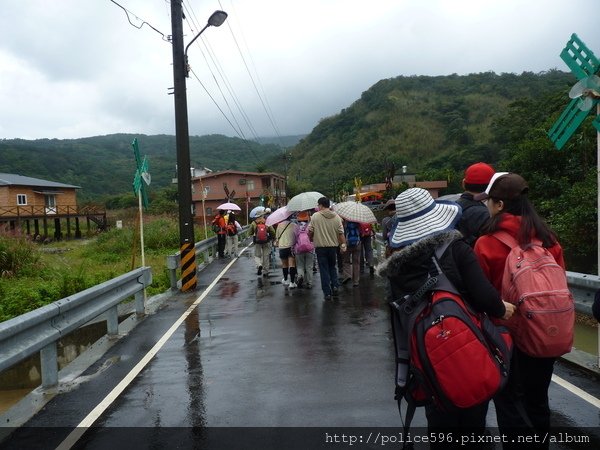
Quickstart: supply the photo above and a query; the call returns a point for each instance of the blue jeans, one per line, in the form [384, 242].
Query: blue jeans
[326, 257]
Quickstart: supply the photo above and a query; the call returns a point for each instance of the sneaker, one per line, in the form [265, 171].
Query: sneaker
[285, 282]
[335, 292]
[293, 285]
[259, 272]
[327, 297]
[299, 281]
[355, 284]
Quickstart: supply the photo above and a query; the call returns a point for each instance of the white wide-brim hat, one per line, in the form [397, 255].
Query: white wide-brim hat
[418, 215]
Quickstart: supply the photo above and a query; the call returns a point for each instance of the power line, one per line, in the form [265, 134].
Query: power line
[269, 116]
[219, 69]
[127, 12]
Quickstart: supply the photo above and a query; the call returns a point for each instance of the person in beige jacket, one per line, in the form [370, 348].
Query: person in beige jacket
[327, 233]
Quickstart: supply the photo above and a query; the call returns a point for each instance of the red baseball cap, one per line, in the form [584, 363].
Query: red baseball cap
[479, 173]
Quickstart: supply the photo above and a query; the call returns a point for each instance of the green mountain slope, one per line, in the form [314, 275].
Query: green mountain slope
[419, 121]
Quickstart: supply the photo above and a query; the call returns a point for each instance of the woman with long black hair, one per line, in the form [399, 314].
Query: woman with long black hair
[522, 407]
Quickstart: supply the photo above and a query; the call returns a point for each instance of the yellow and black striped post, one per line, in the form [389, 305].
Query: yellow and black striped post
[188, 267]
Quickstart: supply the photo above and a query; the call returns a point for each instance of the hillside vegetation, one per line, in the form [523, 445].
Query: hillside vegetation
[104, 165]
[422, 122]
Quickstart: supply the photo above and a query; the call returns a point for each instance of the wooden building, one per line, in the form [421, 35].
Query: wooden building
[26, 201]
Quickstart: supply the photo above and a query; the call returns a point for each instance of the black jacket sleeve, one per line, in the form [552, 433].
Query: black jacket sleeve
[462, 268]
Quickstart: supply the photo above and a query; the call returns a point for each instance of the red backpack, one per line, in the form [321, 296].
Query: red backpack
[446, 353]
[365, 229]
[543, 323]
[262, 234]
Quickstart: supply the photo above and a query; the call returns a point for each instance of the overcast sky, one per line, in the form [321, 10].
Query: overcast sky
[77, 68]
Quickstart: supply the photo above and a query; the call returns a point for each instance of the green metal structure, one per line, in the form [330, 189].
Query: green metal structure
[583, 63]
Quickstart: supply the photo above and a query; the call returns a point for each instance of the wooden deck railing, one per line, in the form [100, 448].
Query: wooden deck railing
[31, 211]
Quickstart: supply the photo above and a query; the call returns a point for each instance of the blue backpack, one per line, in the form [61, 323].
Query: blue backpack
[352, 234]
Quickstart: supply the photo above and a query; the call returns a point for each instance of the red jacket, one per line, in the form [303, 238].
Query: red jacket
[492, 253]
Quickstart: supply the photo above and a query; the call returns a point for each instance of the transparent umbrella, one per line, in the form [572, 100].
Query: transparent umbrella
[355, 212]
[304, 201]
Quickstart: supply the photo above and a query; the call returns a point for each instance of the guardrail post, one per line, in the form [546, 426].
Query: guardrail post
[112, 321]
[172, 265]
[140, 307]
[49, 365]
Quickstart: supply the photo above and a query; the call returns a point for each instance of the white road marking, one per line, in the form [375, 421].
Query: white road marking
[575, 390]
[87, 422]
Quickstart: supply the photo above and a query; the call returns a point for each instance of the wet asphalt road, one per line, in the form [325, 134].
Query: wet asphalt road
[254, 354]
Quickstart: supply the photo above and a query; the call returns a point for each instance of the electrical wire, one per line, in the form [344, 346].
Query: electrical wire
[215, 62]
[263, 102]
[127, 12]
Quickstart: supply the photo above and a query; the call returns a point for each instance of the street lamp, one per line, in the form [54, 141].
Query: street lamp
[216, 19]
[182, 142]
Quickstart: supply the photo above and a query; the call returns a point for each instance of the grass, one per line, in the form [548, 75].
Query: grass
[34, 275]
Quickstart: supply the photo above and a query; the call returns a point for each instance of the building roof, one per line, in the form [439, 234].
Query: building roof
[9, 179]
[239, 172]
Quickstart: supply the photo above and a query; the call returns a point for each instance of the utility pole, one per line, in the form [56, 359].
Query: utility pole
[182, 139]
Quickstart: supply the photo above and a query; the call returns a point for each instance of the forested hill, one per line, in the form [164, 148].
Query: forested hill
[105, 165]
[423, 122]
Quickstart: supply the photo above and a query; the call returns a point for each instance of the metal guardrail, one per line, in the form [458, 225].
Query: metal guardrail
[206, 251]
[583, 287]
[40, 330]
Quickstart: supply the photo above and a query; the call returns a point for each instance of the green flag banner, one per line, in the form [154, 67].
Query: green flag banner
[142, 174]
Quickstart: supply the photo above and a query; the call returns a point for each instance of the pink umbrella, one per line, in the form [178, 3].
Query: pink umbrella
[229, 206]
[278, 215]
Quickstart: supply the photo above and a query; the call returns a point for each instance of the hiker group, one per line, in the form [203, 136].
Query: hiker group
[478, 295]
[480, 306]
[308, 238]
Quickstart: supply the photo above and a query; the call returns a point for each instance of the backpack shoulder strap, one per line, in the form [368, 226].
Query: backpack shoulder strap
[505, 238]
[443, 283]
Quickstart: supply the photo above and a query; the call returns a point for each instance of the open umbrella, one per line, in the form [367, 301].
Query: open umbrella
[355, 212]
[278, 215]
[255, 211]
[304, 201]
[229, 206]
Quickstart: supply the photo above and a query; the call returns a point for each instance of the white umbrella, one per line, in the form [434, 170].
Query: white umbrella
[229, 206]
[355, 212]
[278, 215]
[304, 201]
[255, 211]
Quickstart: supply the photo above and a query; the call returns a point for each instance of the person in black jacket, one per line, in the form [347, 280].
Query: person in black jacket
[474, 213]
[423, 225]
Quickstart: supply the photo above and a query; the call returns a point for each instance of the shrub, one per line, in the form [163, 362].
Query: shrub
[17, 256]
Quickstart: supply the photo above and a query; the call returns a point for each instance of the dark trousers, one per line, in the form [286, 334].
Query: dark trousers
[221, 238]
[525, 394]
[461, 425]
[326, 258]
